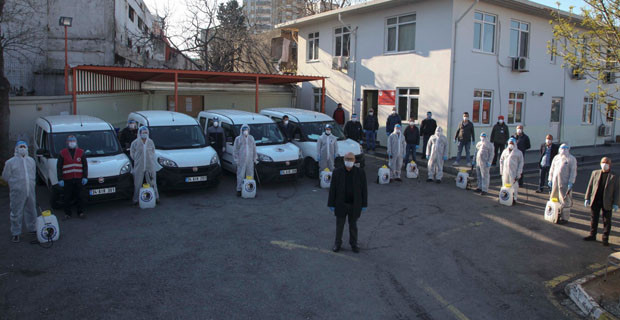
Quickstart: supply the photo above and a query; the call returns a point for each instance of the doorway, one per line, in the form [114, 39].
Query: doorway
[190, 105]
[370, 101]
[555, 121]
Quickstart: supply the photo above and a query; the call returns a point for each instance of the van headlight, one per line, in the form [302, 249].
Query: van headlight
[215, 159]
[126, 168]
[264, 158]
[300, 155]
[166, 162]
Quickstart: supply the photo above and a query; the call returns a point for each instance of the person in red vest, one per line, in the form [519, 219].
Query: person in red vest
[339, 115]
[72, 170]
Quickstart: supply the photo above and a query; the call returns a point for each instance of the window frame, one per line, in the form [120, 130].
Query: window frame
[316, 92]
[521, 31]
[481, 99]
[409, 95]
[515, 100]
[483, 22]
[315, 46]
[132, 13]
[387, 26]
[590, 103]
[341, 35]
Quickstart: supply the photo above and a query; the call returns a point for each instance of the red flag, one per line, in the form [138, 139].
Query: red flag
[387, 97]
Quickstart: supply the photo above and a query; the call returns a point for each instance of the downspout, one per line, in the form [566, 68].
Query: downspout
[352, 60]
[452, 71]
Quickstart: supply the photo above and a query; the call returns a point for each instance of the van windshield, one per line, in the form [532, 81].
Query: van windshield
[313, 130]
[263, 133]
[94, 143]
[177, 137]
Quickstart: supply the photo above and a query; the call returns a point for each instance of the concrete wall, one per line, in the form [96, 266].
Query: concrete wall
[113, 108]
[25, 110]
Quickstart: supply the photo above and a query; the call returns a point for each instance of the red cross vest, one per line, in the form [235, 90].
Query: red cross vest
[72, 167]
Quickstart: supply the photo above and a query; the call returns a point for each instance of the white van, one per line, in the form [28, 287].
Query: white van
[311, 125]
[278, 160]
[109, 169]
[184, 157]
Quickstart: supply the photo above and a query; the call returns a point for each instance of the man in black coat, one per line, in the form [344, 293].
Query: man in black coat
[348, 197]
[371, 125]
[548, 150]
[499, 138]
[412, 137]
[128, 134]
[287, 129]
[427, 129]
[353, 129]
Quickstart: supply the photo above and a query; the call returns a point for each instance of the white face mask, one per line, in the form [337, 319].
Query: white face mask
[371, 113]
[411, 124]
[483, 138]
[604, 166]
[22, 151]
[328, 132]
[132, 126]
[500, 121]
[393, 111]
[564, 151]
[354, 119]
[519, 131]
[246, 133]
[72, 144]
[215, 123]
[285, 122]
[349, 164]
[144, 135]
[511, 146]
[548, 141]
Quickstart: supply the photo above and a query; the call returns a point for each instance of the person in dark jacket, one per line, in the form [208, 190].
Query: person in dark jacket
[72, 173]
[603, 193]
[348, 197]
[412, 138]
[465, 137]
[427, 130]
[548, 150]
[288, 129]
[217, 137]
[128, 134]
[499, 138]
[392, 120]
[353, 129]
[523, 144]
[371, 125]
[339, 115]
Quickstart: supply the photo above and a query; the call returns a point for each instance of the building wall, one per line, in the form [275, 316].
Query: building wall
[113, 108]
[25, 110]
[428, 68]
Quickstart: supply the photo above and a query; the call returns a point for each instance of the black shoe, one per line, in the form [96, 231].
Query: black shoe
[135, 204]
[15, 239]
[157, 201]
[336, 248]
[590, 238]
[355, 249]
[562, 221]
[483, 193]
[399, 179]
[429, 180]
[66, 217]
[437, 181]
[238, 193]
[539, 191]
[606, 243]
[82, 215]
[478, 190]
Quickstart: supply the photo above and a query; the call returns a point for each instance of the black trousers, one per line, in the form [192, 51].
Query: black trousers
[425, 140]
[595, 214]
[73, 193]
[544, 174]
[499, 148]
[340, 221]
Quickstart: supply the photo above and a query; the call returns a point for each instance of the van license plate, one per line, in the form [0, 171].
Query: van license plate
[289, 171]
[196, 179]
[96, 192]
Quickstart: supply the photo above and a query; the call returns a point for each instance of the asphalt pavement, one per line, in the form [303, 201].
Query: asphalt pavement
[429, 251]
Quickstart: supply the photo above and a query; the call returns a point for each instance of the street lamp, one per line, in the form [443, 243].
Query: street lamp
[66, 22]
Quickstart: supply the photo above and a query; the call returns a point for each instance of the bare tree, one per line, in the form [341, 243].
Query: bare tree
[318, 6]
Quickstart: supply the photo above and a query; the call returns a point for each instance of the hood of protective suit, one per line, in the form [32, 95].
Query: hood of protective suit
[439, 131]
[243, 127]
[16, 150]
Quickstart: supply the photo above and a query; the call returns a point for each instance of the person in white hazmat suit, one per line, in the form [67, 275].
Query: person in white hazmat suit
[436, 154]
[20, 173]
[326, 150]
[511, 166]
[396, 147]
[142, 151]
[245, 156]
[562, 175]
[483, 159]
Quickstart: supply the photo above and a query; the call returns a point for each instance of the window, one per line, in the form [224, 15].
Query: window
[140, 23]
[408, 103]
[131, 13]
[519, 38]
[611, 111]
[400, 33]
[316, 99]
[516, 103]
[342, 36]
[588, 107]
[553, 50]
[484, 32]
[313, 46]
[129, 43]
[481, 112]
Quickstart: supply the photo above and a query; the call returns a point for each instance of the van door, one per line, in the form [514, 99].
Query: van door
[44, 162]
[227, 158]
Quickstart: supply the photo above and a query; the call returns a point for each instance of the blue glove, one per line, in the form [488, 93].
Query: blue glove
[473, 163]
[615, 207]
[445, 158]
[364, 208]
[332, 209]
[488, 164]
[417, 147]
[570, 185]
[389, 155]
[84, 181]
[550, 184]
[61, 183]
[427, 157]
[586, 203]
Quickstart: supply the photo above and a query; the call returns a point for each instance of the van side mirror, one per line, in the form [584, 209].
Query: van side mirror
[43, 152]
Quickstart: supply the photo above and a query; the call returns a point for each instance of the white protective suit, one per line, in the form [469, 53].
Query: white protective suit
[144, 164]
[437, 149]
[484, 156]
[245, 156]
[563, 171]
[20, 173]
[511, 168]
[396, 146]
[327, 149]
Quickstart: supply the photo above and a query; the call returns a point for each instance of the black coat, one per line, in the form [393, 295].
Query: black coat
[554, 151]
[523, 142]
[126, 137]
[337, 192]
[412, 135]
[428, 127]
[288, 131]
[353, 130]
[371, 123]
[500, 134]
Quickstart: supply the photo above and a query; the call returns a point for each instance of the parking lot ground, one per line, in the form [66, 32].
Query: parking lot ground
[429, 251]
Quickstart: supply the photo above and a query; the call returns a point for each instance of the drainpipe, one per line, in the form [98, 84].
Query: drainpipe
[352, 60]
[452, 72]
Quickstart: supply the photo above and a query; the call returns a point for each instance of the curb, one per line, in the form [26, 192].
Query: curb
[584, 301]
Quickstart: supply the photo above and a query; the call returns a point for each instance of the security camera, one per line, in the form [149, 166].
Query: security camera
[540, 94]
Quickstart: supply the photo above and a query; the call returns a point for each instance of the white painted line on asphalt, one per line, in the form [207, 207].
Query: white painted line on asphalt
[290, 246]
[456, 312]
[524, 231]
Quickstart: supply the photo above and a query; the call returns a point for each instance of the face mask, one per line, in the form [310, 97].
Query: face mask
[285, 122]
[22, 151]
[132, 126]
[483, 138]
[511, 146]
[564, 152]
[371, 113]
[144, 135]
[500, 121]
[605, 166]
[215, 123]
[393, 111]
[519, 131]
[397, 131]
[328, 132]
[349, 164]
[246, 133]
[465, 118]
[354, 119]
[548, 141]
[72, 145]
[411, 124]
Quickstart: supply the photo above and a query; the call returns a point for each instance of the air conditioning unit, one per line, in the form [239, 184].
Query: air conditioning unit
[577, 74]
[520, 64]
[604, 130]
[340, 63]
[609, 77]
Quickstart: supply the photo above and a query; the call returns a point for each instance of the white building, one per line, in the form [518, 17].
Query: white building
[448, 57]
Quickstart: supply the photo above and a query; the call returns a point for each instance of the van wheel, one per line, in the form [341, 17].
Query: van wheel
[311, 168]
